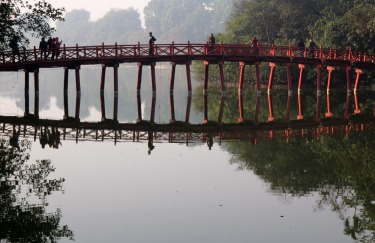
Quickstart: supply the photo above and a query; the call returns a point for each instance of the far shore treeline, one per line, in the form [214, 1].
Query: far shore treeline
[340, 24]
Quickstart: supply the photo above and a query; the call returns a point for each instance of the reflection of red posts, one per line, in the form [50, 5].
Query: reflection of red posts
[270, 108]
[357, 110]
[300, 112]
[328, 113]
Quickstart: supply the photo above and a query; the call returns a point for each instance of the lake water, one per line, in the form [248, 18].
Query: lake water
[298, 185]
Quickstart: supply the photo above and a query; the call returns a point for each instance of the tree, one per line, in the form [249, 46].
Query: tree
[22, 18]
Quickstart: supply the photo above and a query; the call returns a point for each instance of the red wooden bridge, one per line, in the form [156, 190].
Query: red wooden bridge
[113, 55]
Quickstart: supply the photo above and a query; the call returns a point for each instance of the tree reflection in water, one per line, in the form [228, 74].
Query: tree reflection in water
[20, 219]
[341, 170]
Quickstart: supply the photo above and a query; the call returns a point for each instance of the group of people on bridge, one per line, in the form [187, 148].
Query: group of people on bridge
[51, 46]
[47, 48]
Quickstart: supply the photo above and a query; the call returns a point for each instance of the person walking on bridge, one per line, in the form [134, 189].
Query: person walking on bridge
[151, 44]
[43, 46]
[211, 42]
[301, 47]
[312, 47]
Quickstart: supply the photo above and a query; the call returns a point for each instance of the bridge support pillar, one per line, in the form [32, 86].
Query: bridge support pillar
[205, 112]
[139, 80]
[66, 102]
[188, 76]
[206, 68]
[270, 80]
[348, 79]
[319, 79]
[139, 108]
[242, 74]
[78, 80]
[359, 73]
[78, 91]
[171, 101]
[27, 88]
[153, 105]
[102, 79]
[289, 76]
[173, 72]
[153, 79]
[257, 74]
[240, 108]
[301, 71]
[188, 105]
[102, 86]
[36, 88]
[102, 105]
[330, 70]
[36, 92]
[222, 81]
[115, 85]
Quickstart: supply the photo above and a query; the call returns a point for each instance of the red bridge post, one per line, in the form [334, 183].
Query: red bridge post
[139, 80]
[188, 76]
[171, 83]
[358, 72]
[270, 80]
[242, 73]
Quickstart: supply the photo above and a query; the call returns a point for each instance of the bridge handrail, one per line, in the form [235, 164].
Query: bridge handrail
[194, 49]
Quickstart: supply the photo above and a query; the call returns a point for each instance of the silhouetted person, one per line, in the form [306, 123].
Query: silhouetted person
[312, 47]
[255, 44]
[52, 48]
[211, 42]
[15, 46]
[43, 46]
[49, 43]
[151, 43]
[301, 47]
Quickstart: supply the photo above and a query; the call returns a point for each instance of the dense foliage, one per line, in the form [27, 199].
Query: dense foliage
[337, 23]
[25, 19]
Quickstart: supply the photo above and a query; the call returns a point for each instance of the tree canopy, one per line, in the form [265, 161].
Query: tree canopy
[24, 18]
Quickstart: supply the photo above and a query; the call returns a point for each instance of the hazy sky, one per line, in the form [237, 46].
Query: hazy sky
[98, 8]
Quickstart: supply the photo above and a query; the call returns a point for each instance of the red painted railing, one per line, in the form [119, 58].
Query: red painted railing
[140, 50]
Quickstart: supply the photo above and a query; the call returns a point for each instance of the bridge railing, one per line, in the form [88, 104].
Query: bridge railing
[137, 50]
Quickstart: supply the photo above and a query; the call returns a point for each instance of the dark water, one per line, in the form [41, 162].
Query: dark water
[307, 181]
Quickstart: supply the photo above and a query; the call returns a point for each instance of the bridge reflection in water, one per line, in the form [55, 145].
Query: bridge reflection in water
[52, 132]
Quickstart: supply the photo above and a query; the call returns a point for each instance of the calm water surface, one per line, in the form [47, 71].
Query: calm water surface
[303, 190]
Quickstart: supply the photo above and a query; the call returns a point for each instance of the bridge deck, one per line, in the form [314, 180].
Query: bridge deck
[181, 53]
